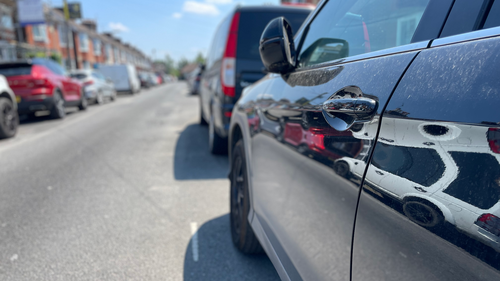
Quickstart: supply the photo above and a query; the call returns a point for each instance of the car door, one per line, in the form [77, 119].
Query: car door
[304, 200]
[446, 106]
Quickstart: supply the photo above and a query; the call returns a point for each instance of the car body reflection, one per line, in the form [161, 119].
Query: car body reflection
[438, 172]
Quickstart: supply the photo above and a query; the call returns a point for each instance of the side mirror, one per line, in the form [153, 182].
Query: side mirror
[277, 49]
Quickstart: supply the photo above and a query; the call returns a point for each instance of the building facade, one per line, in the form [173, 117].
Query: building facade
[75, 45]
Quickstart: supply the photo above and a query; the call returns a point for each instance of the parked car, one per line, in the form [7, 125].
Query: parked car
[371, 151]
[194, 79]
[233, 63]
[43, 85]
[145, 80]
[9, 119]
[96, 86]
[123, 76]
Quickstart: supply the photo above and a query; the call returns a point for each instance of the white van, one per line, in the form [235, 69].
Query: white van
[124, 77]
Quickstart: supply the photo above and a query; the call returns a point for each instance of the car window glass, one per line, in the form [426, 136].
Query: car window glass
[96, 76]
[79, 76]
[348, 28]
[493, 18]
[219, 42]
[252, 24]
[419, 165]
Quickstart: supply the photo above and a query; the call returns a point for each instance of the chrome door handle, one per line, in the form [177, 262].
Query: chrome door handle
[358, 108]
[348, 106]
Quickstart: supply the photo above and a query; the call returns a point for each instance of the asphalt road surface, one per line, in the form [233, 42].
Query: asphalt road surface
[124, 191]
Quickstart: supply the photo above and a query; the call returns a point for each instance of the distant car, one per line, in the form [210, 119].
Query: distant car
[124, 77]
[233, 63]
[145, 80]
[96, 86]
[41, 85]
[194, 79]
[153, 79]
[9, 119]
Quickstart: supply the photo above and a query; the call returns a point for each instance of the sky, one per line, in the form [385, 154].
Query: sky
[179, 28]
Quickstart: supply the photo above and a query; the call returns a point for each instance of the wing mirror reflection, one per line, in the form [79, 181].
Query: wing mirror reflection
[277, 49]
[325, 49]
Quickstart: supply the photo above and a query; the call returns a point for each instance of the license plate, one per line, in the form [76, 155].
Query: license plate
[18, 99]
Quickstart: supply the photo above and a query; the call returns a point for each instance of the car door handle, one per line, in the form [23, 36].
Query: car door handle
[342, 113]
[358, 108]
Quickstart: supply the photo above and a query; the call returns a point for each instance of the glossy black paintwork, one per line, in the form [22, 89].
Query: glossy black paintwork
[436, 149]
[304, 207]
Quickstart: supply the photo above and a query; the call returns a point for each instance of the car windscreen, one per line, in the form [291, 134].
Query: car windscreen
[79, 76]
[252, 24]
[15, 69]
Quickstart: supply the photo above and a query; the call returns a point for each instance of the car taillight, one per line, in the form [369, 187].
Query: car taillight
[317, 140]
[490, 223]
[88, 83]
[41, 82]
[494, 139]
[228, 71]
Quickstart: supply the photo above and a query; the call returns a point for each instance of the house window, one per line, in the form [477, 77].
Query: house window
[7, 22]
[84, 42]
[107, 49]
[97, 47]
[40, 33]
[116, 55]
[63, 36]
[86, 65]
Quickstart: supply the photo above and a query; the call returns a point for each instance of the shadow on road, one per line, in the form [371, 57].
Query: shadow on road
[219, 260]
[193, 161]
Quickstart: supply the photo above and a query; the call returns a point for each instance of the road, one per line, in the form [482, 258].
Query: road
[123, 191]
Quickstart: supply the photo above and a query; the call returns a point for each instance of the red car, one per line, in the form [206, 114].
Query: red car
[42, 84]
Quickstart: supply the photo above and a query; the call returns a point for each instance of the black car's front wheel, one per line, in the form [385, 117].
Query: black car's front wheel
[243, 236]
[9, 120]
[58, 111]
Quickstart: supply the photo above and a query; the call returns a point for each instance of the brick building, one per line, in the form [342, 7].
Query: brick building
[66, 39]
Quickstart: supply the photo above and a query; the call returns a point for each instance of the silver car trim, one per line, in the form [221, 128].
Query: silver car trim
[469, 36]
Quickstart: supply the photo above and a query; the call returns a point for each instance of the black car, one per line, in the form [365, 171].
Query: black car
[372, 150]
[233, 63]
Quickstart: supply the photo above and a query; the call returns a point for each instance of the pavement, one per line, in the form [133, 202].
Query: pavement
[123, 191]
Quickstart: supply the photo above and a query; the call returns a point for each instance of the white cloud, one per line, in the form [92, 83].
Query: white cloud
[117, 27]
[217, 2]
[200, 8]
[177, 15]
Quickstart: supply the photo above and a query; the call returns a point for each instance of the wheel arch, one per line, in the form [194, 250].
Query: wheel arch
[448, 216]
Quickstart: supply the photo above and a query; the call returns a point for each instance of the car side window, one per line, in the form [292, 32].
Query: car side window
[493, 18]
[348, 28]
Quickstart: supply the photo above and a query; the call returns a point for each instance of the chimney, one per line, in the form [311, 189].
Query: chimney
[90, 24]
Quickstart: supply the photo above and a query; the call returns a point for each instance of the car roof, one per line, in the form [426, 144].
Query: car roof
[257, 9]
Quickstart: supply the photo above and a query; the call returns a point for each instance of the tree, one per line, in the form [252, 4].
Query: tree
[181, 63]
[199, 58]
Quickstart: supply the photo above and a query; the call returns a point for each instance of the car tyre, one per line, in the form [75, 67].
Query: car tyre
[84, 103]
[113, 96]
[58, 110]
[99, 98]
[9, 119]
[203, 122]
[342, 169]
[216, 144]
[241, 232]
[423, 213]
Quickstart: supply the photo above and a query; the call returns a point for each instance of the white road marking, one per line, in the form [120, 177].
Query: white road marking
[194, 240]
[14, 257]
